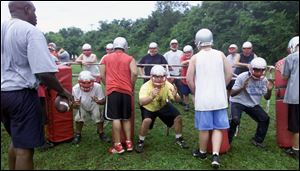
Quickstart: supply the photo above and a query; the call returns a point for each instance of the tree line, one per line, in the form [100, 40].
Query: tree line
[269, 25]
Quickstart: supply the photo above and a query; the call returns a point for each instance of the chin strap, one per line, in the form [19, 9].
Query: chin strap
[256, 78]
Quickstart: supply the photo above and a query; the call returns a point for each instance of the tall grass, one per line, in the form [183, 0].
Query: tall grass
[160, 149]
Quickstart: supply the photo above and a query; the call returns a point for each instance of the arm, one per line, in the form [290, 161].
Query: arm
[270, 87]
[99, 102]
[148, 99]
[175, 94]
[102, 71]
[190, 76]
[227, 70]
[285, 77]
[99, 96]
[235, 92]
[285, 74]
[185, 62]
[237, 62]
[79, 59]
[141, 71]
[51, 82]
[93, 61]
[133, 71]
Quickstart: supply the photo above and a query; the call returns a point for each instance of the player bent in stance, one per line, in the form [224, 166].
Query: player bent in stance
[246, 94]
[88, 97]
[154, 102]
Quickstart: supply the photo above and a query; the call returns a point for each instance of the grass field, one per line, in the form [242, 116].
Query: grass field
[160, 149]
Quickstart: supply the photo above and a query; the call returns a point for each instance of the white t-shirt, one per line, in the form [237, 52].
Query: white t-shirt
[92, 68]
[210, 92]
[86, 97]
[173, 58]
[231, 59]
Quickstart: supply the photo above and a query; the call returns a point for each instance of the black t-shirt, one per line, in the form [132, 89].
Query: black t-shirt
[246, 60]
[156, 59]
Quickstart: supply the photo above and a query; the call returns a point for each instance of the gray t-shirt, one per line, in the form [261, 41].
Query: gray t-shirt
[24, 52]
[253, 93]
[64, 56]
[291, 69]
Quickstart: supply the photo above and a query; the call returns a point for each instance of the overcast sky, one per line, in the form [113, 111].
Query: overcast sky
[55, 15]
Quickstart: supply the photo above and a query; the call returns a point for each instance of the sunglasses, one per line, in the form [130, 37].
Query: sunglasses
[247, 48]
[87, 50]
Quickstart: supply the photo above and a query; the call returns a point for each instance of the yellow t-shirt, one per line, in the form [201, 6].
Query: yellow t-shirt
[161, 99]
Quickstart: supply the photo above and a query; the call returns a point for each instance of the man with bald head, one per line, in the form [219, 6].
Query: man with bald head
[25, 62]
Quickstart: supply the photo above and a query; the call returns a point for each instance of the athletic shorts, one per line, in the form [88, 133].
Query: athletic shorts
[293, 118]
[167, 114]
[185, 90]
[118, 106]
[210, 120]
[95, 113]
[21, 115]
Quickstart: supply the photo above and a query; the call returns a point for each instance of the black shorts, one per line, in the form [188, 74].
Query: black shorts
[118, 106]
[21, 115]
[167, 114]
[293, 118]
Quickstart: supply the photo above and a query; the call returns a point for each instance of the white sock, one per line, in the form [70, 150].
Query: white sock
[142, 138]
[178, 135]
[215, 153]
[202, 151]
[117, 143]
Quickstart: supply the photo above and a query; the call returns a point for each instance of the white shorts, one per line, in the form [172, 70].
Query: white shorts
[96, 114]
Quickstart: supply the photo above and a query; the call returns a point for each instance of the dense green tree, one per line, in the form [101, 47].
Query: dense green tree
[267, 24]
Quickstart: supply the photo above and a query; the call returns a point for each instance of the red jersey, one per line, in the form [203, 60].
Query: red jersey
[117, 73]
[184, 68]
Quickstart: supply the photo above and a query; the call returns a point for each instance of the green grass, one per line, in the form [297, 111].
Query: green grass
[160, 150]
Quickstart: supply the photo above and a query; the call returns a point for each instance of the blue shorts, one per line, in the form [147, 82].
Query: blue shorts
[185, 90]
[210, 120]
[21, 115]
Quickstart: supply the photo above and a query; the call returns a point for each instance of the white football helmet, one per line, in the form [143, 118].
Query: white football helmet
[109, 46]
[204, 37]
[258, 64]
[293, 43]
[86, 81]
[86, 46]
[158, 75]
[188, 48]
[247, 45]
[120, 42]
[153, 45]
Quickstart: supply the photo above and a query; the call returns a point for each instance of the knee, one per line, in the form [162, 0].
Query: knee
[235, 121]
[24, 153]
[267, 120]
[178, 119]
[147, 121]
